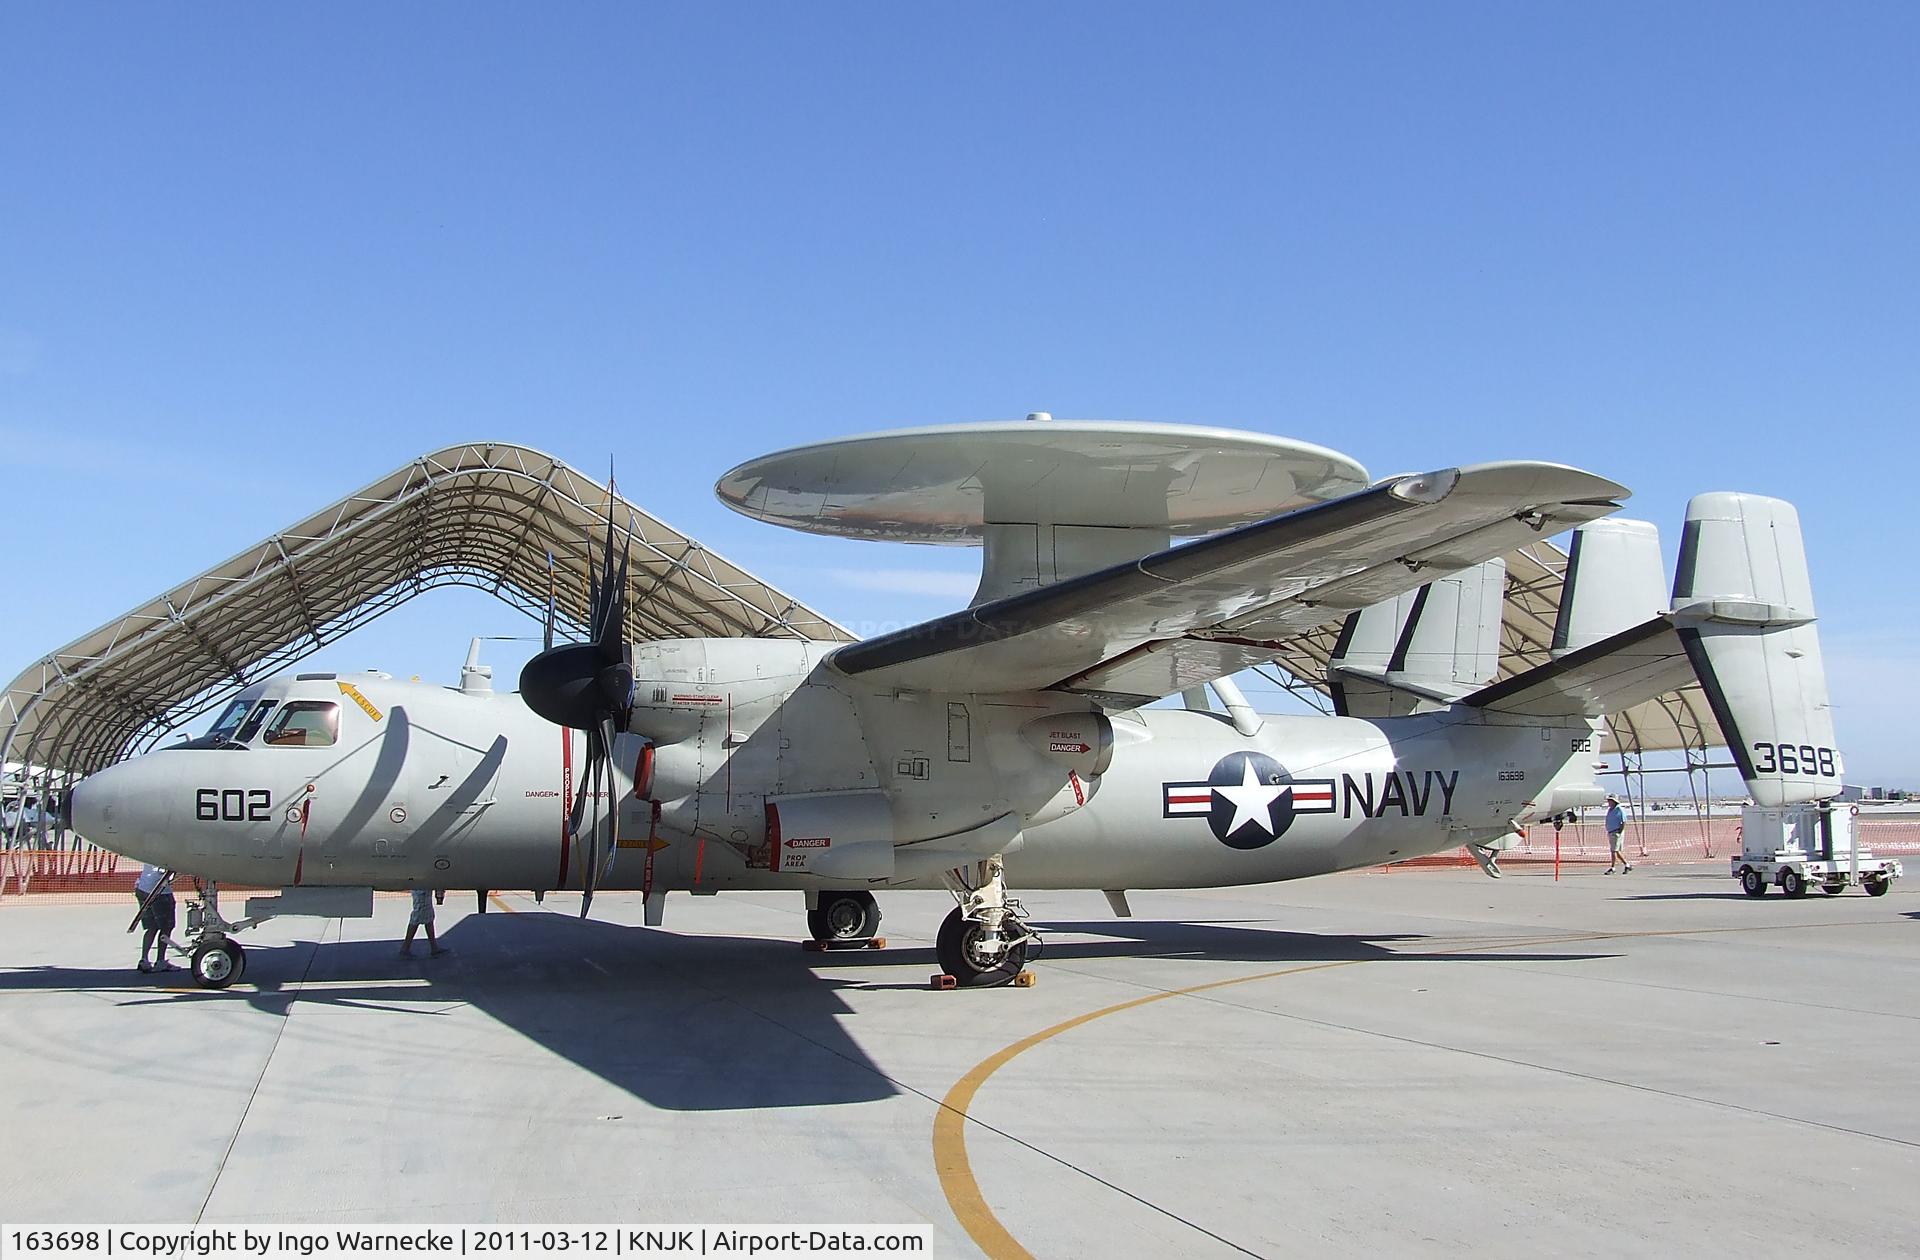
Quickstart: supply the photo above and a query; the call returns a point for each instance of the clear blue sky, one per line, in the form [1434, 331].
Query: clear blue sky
[252, 257]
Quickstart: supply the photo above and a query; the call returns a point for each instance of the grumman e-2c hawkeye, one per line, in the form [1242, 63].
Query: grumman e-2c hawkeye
[1008, 743]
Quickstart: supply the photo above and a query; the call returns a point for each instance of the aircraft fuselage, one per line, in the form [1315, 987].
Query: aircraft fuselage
[425, 785]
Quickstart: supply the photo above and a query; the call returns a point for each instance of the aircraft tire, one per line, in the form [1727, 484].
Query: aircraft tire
[844, 917]
[957, 960]
[1752, 884]
[216, 964]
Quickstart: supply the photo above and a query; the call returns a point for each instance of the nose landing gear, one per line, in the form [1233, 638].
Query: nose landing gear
[215, 959]
[218, 963]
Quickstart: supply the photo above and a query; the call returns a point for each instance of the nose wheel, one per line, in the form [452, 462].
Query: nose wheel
[218, 962]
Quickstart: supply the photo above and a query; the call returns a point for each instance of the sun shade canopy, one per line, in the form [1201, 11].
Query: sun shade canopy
[483, 515]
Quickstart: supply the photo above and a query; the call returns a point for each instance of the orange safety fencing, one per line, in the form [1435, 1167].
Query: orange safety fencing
[72, 876]
[1659, 840]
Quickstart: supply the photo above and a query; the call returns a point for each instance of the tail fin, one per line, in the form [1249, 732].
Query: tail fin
[1743, 603]
[1615, 580]
[1422, 649]
[1741, 623]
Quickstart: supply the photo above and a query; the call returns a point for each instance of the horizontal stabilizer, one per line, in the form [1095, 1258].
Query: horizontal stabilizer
[1637, 664]
[1741, 624]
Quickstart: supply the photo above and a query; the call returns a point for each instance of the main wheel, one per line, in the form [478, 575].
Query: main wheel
[1792, 884]
[1833, 888]
[844, 916]
[217, 963]
[959, 948]
[1877, 887]
[1752, 884]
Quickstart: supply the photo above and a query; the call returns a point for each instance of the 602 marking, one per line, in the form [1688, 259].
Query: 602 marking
[232, 805]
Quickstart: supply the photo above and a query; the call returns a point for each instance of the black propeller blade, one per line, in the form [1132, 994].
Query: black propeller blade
[589, 687]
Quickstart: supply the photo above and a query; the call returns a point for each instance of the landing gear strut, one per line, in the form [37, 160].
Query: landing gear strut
[215, 959]
[985, 940]
[843, 918]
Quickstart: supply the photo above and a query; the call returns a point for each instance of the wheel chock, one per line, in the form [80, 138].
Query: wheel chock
[876, 942]
[814, 947]
[942, 981]
[1024, 980]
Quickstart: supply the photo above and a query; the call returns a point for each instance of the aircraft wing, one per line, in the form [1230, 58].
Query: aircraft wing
[1179, 617]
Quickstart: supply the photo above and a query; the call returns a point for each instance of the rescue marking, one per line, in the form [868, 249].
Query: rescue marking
[352, 693]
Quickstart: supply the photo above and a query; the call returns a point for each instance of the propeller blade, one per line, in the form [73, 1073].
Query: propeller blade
[590, 874]
[613, 798]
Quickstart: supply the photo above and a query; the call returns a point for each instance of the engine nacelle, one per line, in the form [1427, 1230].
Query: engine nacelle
[1081, 742]
[812, 832]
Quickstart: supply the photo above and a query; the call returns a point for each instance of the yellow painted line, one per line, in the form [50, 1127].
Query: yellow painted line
[950, 1159]
[495, 899]
[950, 1122]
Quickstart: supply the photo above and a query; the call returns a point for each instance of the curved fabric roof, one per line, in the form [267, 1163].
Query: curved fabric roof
[482, 515]
[487, 515]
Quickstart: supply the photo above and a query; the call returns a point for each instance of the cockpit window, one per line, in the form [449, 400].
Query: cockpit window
[305, 724]
[225, 731]
[252, 727]
[229, 721]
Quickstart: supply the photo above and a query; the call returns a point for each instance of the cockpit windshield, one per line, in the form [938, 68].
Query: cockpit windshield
[238, 723]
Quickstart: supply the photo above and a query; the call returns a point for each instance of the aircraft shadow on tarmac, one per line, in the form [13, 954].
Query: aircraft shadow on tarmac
[684, 1023]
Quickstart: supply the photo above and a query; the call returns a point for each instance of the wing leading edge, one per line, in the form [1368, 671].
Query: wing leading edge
[1190, 613]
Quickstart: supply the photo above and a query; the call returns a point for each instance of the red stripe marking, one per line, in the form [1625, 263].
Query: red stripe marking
[1188, 798]
[566, 800]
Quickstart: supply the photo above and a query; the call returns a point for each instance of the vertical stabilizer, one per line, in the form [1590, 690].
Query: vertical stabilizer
[1425, 647]
[1743, 604]
[1451, 640]
[1615, 579]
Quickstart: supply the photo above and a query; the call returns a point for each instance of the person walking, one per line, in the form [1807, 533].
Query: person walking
[154, 891]
[422, 917]
[1616, 829]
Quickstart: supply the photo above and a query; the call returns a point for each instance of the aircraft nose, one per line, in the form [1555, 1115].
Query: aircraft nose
[124, 809]
[87, 812]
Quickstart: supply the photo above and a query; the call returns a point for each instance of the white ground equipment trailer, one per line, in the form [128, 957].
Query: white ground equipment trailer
[1807, 846]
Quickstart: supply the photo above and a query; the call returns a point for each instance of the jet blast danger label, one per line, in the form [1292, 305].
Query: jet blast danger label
[1249, 800]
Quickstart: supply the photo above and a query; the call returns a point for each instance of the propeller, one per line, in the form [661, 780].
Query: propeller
[589, 687]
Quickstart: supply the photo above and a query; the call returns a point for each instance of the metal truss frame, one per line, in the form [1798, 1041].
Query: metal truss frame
[512, 521]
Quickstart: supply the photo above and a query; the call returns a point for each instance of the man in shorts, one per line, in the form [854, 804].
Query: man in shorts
[422, 917]
[154, 891]
[1616, 828]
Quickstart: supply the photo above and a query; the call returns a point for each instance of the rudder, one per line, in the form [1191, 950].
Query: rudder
[1743, 606]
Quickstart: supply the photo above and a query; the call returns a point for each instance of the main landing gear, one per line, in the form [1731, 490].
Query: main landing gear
[843, 919]
[985, 941]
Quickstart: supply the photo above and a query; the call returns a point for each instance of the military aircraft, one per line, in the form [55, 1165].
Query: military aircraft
[1011, 744]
